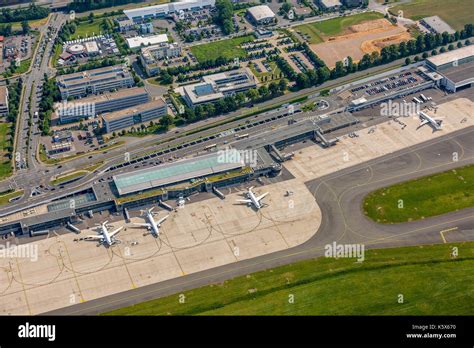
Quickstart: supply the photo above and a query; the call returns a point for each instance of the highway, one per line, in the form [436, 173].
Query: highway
[339, 196]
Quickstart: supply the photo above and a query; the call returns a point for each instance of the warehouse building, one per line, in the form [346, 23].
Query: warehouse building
[436, 25]
[3, 101]
[261, 15]
[128, 117]
[163, 10]
[151, 56]
[454, 70]
[97, 104]
[330, 5]
[177, 172]
[140, 41]
[94, 81]
[218, 86]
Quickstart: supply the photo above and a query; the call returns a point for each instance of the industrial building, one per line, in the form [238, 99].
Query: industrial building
[436, 25]
[97, 104]
[261, 14]
[163, 10]
[140, 41]
[218, 86]
[128, 117]
[151, 56]
[453, 70]
[328, 4]
[3, 101]
[82, 83]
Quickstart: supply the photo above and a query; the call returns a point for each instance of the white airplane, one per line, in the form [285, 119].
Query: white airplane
[152, 225]
[426, 119]
[105, 237]
[252, 199]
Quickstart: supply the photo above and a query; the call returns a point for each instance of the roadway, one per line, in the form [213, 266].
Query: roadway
[339, 196]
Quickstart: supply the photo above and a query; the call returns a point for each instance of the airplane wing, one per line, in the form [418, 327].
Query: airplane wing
[261, 197]
[423, 123]
[92, 237]
[162, 219]
[141, 224]
[244, 200]
[115, 232]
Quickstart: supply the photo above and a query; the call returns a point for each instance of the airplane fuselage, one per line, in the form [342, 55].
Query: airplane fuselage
[153, 225]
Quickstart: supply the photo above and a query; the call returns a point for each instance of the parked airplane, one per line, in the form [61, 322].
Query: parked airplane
[252, 199]
[426, 119]
[105, 237]
[152, 225]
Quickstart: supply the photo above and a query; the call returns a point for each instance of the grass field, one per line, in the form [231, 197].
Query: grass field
[5, 198]
[455, 12]
[428, 196]
[65, 178]
[327, 286]
[336, 26]
[86, 29]
[224, 48]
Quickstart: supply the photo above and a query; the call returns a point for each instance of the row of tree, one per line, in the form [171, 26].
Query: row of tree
[32, 12]
[88, 5]
[51, 95]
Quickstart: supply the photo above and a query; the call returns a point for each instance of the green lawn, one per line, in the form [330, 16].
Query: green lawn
[334, 26]
[86, 29]
[455, 12]
[428, 196]
[5, 198]
[224, 48]
[68, 177]
[327, 286]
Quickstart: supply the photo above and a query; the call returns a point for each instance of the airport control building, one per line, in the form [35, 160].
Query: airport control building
[453, 70]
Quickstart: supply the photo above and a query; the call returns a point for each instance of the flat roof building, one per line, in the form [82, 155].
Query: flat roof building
[163, 10]
[3, 101]
[218, 86]
[177, 172]
[328, 4]
[129, 117]
[456, 69]
[448, 59]
[94, 81]
[140, 41]
[152, 55]
[436, 25]
[261, 14]
[97, 104]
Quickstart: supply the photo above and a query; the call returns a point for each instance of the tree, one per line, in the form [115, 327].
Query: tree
[91, 17]
[166, 79]
[25, 27]
[273, 88]
[282, 85]
[407, 61]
